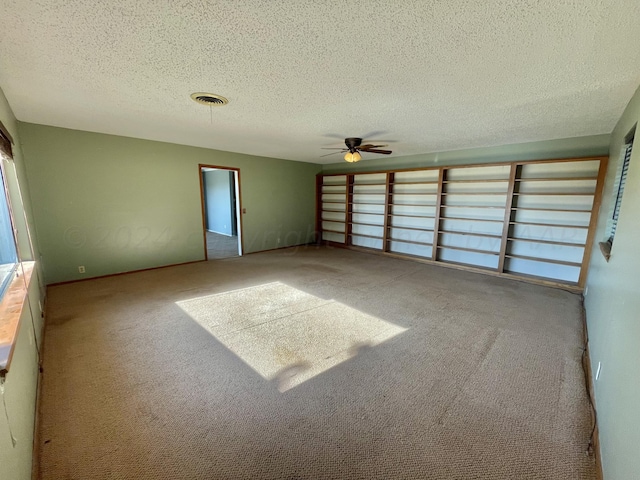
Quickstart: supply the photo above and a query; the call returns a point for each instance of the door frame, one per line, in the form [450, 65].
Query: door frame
[239, 209]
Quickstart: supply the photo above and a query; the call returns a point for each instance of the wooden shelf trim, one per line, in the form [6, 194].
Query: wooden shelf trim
[387, 210]
[474, 206]
[546, 242]
[544, 260]
[556, 179]
[475, 193]
[465, 219]
[433, 194]
[486, 235]
[411, 216]
[515, 171]
[483, 180]
[442, 177]
[472, 250]
[559, 194]
[593, 222]
[414, 242]
[561, 210]
[328, 230]
[365, 236]
[478, 165]
[435, 182]
[413, 204]
[368, 224]
[417, 229]
[556, 225]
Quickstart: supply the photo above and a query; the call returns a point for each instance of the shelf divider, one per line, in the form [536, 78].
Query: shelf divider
[436, 222]
[516, 171]
[348, 212]
[319, 209]
[387, 210]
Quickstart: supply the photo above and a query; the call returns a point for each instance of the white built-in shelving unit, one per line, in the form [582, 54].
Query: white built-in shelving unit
[531, 220]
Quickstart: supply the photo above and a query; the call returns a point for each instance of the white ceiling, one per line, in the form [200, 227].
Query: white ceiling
[424, 75]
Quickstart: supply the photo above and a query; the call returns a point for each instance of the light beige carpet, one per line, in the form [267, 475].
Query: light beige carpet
[312, 363]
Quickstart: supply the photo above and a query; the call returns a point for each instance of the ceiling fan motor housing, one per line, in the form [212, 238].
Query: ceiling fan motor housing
[352, 143]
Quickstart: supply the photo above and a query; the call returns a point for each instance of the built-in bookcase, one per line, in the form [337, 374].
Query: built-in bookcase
[333, 200]
[533, 220]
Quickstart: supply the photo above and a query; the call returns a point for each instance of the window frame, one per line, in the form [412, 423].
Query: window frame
[7, 151]
[11, 271]
[14, 299]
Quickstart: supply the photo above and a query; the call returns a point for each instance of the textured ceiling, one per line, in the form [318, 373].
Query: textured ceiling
[424, 75]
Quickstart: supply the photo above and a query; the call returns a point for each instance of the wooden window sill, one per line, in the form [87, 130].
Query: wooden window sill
[11, 307]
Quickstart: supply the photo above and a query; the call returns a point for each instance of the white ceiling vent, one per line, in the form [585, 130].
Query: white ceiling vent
[209, 99]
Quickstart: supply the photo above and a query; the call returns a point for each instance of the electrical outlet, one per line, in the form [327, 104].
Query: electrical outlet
[81, 269]
[598, 371]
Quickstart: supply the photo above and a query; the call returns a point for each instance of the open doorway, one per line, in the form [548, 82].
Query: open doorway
[221, 215]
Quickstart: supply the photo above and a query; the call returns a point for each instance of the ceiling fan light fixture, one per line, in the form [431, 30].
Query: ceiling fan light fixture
[352, 157]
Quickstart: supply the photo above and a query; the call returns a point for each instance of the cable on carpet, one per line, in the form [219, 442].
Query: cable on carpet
[585, 370]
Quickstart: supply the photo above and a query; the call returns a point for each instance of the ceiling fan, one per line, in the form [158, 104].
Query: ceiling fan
[354, 147]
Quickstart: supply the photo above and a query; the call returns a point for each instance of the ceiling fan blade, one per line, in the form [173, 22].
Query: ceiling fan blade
[332, 153]
[333, 148]
[373, 150]
[369, 146]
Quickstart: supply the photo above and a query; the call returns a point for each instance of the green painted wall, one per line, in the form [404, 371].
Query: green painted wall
[116, 204]
[563, 148]
[612, 302]
[22, 380]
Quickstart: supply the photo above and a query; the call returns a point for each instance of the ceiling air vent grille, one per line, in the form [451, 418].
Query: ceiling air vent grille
[209, 99]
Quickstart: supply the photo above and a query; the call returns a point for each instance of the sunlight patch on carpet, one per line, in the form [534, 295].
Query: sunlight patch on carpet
[284, 334]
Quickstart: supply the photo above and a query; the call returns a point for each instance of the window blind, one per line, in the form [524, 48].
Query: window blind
[621, 183]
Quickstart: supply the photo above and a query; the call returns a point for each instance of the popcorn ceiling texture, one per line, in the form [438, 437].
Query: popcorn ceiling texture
[301, 75]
